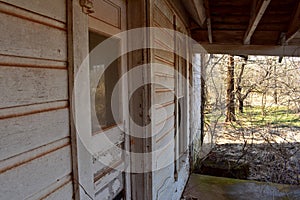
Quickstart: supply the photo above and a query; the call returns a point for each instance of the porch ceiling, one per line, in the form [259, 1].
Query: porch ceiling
[264, 27]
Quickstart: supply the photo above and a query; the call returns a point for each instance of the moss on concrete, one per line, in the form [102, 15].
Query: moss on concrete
[218, 188]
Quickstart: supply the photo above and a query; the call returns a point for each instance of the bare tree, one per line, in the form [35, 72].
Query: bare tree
[230, 105]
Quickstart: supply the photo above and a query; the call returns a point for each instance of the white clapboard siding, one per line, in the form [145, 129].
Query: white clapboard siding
[31, 39]
[35, 151]
[164, 127]
[62, 189]
[21, 134]
[165, 79]
[63, 193]
[163, 93]
[55, 9]
[21, 86]
[165, 185]
[33, 176]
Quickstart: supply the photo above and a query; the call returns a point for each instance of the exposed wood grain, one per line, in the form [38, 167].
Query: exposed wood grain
[21, 86]
[139, 15]
[257, 14]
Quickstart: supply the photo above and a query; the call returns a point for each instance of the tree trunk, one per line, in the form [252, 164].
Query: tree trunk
[230, 110]
[275, 94]
[241, 105]
[263, 103]
[239, 95]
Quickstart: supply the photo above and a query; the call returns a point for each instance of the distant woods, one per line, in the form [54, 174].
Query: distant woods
[233, 82]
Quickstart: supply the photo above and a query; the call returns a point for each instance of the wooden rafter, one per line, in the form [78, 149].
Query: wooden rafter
[208, 21]
[270, 50]
[294, 26]
[200, 10]
[258, 10]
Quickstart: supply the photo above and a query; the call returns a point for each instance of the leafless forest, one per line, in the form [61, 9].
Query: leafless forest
[252, 110]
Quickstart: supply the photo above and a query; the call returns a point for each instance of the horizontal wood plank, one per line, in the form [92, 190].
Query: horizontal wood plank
[55, 9]
[62, 189]
[63, 193]
[31, 39]
[31, 177]
[18, 61]
[163, 95]
[28, 132]
[161, 19]
[165, 9]
[21, 86]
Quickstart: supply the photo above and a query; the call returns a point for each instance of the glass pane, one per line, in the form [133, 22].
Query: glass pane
[101, 91]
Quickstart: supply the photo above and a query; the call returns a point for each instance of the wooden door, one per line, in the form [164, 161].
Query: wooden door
[108, 165]
[99, 140]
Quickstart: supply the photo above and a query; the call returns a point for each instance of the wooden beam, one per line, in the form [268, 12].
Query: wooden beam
[236, 37]
[208, 21]
[200, 10]
[268, 50]
[294, 26]
[258, 11]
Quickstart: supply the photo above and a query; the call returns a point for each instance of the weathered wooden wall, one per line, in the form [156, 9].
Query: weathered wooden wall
[34, 112]
[39, 62]
[169, 179]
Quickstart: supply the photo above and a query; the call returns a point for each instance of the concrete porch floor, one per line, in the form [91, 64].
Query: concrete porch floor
[202, 187]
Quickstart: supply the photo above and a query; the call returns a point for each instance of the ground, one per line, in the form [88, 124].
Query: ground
[268, 144]
[202, 187]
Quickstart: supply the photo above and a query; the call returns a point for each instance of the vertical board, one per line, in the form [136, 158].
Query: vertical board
[171, 176]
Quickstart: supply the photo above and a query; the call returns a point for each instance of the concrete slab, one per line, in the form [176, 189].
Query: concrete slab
[202, 187]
